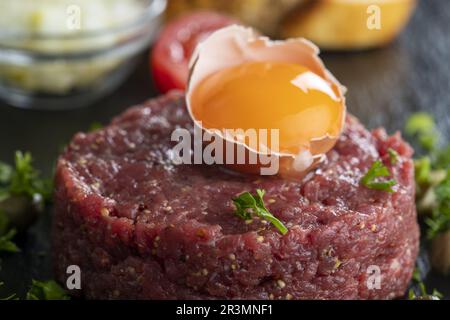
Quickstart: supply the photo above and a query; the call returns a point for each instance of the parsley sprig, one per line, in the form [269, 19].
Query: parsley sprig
[46, 290]
[421, 293]
[440, 219]
[21, 189]
[42, 290]
[432, 174]
[371, 178]
[23, 179]
[6, 235]
[442, 158]
[393, 156]
[248, 205]
[5, 173]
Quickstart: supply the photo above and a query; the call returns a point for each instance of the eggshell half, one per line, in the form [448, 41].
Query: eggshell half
[236, 45]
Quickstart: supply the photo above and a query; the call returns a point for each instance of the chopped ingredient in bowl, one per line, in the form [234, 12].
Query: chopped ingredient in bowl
[35, 29]
[61, 16]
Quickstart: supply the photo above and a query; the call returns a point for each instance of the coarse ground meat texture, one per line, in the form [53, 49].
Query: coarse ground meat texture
[141, 227]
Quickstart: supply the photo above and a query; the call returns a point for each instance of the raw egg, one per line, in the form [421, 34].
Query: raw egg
[242, 81]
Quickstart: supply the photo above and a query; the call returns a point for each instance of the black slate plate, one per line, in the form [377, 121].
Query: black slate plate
[385, 86]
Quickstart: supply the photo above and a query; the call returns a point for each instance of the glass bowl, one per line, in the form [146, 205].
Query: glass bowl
[78, 53]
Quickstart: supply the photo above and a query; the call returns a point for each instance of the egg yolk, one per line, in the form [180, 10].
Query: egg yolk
[270, 95]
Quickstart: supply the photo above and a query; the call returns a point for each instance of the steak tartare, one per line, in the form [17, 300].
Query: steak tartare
[141, 227]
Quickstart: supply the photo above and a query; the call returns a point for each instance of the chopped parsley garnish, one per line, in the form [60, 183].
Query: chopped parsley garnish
[442, 158]
[22, 191]
[26, 180]
[422, 290]
[440, 219]
[422, 126]
[422, 168]
[6, 236]
[6, 244]
[371, 179]
[248, 205]
[423, 295]
[46, 290]
[432, 174]
[5, 173]
[42, 290]
[416, 275]
[393, 156]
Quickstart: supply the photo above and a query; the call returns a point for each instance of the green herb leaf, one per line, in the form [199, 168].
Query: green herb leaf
[371, 179]
[428, 141]
[422, 126]
[6, 244]
[416, 275]
[21, 180]
[248, 205]
[423, 295]
[5, 173]
[25, 180]
[48, 290]
[422, 170]
[95, 126]
[419, 122]
[393, 156]
[6, 235]
[432, 175]
[443, 158]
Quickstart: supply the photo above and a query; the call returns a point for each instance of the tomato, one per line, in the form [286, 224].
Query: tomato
[171, 54]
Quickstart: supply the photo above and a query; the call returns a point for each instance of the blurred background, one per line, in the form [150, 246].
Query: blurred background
[54, 84]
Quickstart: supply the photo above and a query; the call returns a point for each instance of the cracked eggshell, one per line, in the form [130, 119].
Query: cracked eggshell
[236, 45]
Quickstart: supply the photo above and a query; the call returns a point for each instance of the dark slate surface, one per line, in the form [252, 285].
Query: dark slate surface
[385, 86]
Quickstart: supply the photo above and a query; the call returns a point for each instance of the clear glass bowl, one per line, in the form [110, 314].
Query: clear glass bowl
[56, 71]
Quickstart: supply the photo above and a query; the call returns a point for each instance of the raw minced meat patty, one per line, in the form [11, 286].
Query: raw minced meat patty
[141, 227]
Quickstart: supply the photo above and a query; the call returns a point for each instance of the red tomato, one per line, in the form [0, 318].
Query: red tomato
[170, 56]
